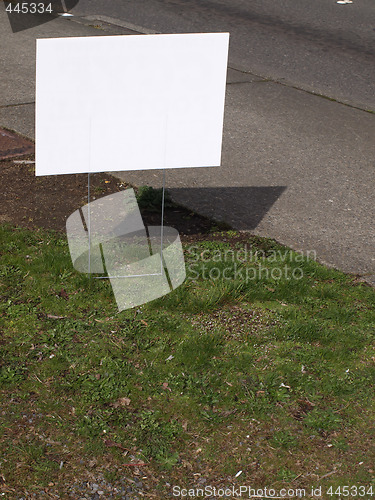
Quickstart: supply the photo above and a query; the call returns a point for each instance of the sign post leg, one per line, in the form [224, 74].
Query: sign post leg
[162, 225]
[89, 222]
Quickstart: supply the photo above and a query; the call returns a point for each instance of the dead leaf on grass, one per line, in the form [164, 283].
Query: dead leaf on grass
[165, 386]
[121, 402]
[102, 320]
[63, 294]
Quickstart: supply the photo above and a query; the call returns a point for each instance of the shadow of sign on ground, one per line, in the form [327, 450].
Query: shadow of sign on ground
[243, 207]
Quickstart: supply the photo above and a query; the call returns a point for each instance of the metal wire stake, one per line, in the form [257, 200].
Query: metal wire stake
[89, 220]
[162, 225]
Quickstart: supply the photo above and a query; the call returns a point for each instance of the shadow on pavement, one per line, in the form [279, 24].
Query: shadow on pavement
[242, 207]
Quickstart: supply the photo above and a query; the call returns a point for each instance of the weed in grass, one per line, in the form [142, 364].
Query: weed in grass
[91, 426]
[341, 444]
[150, 199]
[283, 439]
[324, 421]
[12, 375]
[106, 382]
[285, 474]
[34, 458]
[155, 437]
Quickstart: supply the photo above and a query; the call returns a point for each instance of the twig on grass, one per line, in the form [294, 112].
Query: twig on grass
[328, 474]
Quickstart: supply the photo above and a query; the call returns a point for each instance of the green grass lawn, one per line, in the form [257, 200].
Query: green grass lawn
[238, 369]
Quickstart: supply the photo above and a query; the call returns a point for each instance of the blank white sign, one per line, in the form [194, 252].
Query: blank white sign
[132, 102]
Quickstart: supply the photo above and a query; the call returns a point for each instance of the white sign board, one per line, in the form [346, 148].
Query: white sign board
[132, 102]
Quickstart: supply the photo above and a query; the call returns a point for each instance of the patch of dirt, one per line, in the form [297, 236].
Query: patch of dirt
[29, 201]
[237, 323]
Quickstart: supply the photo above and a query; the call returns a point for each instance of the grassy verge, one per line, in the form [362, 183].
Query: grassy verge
[239, 369]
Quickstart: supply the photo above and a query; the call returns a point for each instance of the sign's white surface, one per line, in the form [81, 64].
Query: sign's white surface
[132, 102]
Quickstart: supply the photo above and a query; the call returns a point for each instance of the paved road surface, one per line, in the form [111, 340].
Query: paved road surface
[317, 45]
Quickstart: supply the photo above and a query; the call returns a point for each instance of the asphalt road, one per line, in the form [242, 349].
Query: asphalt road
[316, 45]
